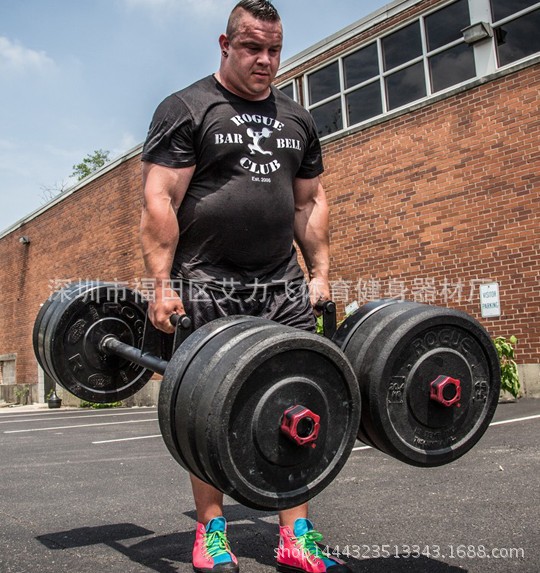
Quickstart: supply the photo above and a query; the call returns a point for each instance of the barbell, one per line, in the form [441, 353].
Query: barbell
[269, 414]
[266, 413]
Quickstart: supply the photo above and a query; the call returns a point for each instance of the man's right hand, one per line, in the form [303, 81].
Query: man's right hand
[161, 310]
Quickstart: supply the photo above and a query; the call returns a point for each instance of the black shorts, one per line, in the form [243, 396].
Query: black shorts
[286, 303]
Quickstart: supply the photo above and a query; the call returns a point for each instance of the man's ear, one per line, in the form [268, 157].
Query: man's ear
[224, 43]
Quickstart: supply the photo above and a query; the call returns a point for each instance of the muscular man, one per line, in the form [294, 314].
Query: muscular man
[231, 172]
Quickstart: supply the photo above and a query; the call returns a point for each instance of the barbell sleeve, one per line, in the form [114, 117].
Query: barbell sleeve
[111, 345]
[182, 320]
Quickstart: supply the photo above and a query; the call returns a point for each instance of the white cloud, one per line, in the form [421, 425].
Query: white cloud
[127, 142]
[15, 56]
[7, 145]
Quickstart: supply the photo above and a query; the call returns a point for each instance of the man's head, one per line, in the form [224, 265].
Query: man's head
[259, 9]
[251, 49]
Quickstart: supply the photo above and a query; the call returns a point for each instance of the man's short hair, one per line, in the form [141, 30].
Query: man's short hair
[259, 9]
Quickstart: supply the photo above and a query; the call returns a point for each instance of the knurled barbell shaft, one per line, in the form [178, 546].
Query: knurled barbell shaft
[111, 345]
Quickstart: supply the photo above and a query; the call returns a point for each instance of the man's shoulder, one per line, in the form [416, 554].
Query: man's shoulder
[203, 85]
[194, 92]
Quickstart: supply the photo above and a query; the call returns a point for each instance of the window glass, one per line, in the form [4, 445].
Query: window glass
[361, 66]
[445, 26]
[503, 8]
[288, 90]
[519, 38]
[402, 46]
[364, 103]
[324, 83]
[328, 117]
[406, 85]
[452, 67]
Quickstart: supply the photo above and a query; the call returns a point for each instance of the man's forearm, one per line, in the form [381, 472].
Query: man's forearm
[316, 254]
[159, 238]
[312, 236]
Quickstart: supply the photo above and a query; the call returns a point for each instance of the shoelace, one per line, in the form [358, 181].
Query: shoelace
[216, 543]
[308, 544]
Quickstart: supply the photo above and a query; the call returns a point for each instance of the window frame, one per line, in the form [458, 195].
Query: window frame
[496, 24]
[294, 87]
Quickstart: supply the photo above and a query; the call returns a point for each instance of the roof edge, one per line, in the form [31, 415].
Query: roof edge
[133, 152]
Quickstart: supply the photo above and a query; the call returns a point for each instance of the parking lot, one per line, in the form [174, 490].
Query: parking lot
[97, 491]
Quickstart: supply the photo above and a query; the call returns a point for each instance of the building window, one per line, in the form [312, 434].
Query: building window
[405, 86]
[451, 67]
[451, 61]
[328, 117]
[503, 8]
[288, 89]
[402, 46]
[422, 58]
[361, 66]
[516, 33]
[324, 83]
[364, 103]
[445, 25]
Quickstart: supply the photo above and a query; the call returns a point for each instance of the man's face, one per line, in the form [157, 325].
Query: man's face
[253, 57]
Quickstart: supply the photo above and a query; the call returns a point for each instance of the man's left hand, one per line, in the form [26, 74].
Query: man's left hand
[319, 291]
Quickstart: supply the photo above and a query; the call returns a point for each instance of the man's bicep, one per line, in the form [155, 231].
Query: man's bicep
[165, 183]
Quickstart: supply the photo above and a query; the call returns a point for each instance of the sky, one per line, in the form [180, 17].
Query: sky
[82, 75]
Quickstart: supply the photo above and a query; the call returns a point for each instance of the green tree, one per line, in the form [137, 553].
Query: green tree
[92, 162]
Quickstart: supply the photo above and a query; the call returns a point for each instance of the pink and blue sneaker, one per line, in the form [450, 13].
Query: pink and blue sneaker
[300, 551]
[212, 552]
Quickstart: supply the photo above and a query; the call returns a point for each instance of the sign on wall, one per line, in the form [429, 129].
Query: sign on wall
[490, 303]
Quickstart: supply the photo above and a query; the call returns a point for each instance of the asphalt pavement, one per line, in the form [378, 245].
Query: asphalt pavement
[96, 491]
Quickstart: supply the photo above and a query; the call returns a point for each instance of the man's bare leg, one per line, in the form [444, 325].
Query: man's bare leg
[209, 504]
[287, 517]
[208, 500]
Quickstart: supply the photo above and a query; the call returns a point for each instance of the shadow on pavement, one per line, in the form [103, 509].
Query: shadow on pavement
[251, 536]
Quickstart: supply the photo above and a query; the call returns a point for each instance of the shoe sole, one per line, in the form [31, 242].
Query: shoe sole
[215, 570]
[288, 569]
[291, 569]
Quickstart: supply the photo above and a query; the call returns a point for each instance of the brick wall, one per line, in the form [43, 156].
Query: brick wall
[443, 198]
[92, 234]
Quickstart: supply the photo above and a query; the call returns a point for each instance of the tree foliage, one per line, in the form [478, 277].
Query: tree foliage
[92, 162]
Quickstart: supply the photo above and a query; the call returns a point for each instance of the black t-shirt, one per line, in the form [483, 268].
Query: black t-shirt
[236, 220]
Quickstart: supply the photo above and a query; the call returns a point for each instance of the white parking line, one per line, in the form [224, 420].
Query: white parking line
[80, 416]
[127, 439]
[515, 420]
[79, 426]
